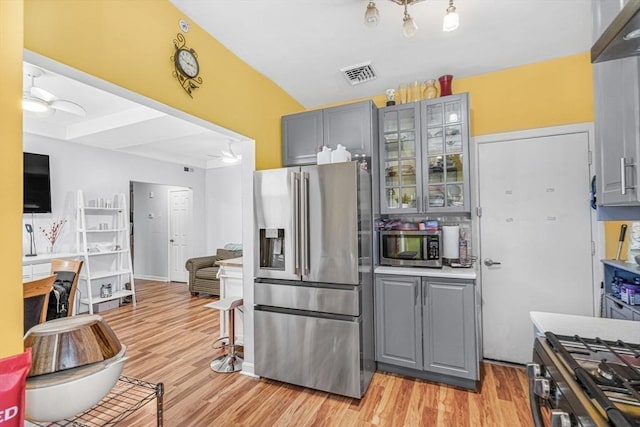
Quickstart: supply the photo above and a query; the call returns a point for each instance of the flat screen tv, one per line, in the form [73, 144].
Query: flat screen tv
[37, 185]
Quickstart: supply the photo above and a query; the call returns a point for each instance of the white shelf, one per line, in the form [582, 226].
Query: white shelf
[106, 252]
[114, 295]
[112, 266]
[94, 211]
[104, 274]
[110, 230]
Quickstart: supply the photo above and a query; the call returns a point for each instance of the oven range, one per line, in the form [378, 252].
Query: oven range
[575, 381]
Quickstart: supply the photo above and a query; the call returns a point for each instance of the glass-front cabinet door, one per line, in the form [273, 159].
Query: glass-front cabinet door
[445, 157]
[400, 178]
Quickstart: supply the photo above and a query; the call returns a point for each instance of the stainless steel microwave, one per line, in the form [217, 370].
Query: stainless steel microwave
[411, 248]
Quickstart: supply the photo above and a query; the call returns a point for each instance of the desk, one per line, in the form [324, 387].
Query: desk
[230, 275]
[35, 267]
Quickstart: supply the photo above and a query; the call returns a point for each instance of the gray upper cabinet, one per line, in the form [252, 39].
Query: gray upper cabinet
[301, 138]
[424, 156]
[304, 134]
[616, 104]
[449, 327]
[400, 187]
[398, 321]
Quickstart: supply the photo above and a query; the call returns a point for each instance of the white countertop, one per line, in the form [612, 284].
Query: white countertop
[47, 257]
[587, 326]
[230, 262]
[444, 272]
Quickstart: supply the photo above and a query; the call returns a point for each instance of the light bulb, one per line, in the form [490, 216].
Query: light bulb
[409, 26]
[372, 15]
[451, 19]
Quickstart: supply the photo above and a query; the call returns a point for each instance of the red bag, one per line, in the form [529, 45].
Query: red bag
[13, 375]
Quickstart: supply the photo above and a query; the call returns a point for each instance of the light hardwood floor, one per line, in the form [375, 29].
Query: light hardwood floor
[169, 336]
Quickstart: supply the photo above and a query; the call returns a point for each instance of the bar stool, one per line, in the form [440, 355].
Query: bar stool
[232, 361]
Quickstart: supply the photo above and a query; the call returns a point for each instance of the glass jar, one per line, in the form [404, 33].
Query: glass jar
[430, 89]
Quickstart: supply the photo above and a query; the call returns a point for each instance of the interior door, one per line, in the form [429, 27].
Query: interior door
[536, 228]
[179, 213]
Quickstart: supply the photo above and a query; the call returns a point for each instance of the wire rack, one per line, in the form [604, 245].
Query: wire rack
[126, 397]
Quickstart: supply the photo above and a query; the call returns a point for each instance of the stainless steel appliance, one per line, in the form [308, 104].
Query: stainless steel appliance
[575, 381]
[313, 290]
[410, 248]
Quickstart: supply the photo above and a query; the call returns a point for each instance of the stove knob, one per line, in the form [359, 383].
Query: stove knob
[559, 418]
[542, 388]
[533, 370]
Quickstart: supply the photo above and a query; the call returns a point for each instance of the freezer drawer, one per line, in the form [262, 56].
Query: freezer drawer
[323, 354]
[300, 297]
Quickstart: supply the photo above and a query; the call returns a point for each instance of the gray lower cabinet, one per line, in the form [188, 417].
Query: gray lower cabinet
[449, 327]
[427, 328]
[398, 320]
[352, 125]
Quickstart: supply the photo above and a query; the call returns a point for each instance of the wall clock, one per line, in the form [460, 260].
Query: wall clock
[187, 68]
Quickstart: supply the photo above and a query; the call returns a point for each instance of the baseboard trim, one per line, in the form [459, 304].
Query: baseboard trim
[155, 278]
[248, 369]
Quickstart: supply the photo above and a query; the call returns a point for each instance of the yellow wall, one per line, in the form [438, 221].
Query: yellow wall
[11, 177]
[130, 42]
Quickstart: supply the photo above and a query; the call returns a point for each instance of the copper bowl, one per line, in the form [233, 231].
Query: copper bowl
[70, 342]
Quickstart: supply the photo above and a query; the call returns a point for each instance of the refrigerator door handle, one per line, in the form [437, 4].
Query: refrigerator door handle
[304, 223]
[295, 207]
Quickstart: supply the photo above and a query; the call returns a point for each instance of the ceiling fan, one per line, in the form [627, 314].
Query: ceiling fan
[227, 156]
[38, 100]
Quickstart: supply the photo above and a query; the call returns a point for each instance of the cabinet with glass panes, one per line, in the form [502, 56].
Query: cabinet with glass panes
[400, 177]
[445, 154]
[424, 156]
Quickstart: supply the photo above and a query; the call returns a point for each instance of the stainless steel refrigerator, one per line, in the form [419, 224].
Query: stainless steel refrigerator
[313, 289]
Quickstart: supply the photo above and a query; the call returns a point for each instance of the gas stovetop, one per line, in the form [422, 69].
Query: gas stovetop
[608, 372]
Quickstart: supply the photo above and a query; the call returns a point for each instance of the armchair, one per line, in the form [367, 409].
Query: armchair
[203, 271]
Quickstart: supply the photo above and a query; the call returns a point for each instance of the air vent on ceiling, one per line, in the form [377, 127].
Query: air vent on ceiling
[359, 73]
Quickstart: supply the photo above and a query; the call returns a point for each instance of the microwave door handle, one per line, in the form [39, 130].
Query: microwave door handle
[304, 224]
[295, 212]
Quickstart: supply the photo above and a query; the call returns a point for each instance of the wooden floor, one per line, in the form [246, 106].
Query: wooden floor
[169, 336]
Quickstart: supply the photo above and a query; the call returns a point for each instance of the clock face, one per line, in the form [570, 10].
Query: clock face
[187, 63]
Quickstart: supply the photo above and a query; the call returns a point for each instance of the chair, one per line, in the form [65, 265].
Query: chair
[36, 299]
[67, 269]
[232, 360]
[203, 272]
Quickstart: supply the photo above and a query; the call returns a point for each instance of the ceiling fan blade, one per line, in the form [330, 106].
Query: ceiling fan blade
[42, 94]
[68, 107]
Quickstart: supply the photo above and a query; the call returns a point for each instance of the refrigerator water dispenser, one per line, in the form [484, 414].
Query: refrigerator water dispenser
[272, 248]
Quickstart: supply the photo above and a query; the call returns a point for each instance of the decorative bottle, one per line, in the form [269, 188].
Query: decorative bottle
[430, 89]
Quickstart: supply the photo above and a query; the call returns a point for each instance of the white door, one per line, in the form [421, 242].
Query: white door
[536, 222]
[179, 213]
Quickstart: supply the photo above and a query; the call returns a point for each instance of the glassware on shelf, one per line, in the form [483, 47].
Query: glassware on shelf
[430, 89]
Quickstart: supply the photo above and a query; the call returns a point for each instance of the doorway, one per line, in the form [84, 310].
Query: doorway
[161, 213]
[535, 235]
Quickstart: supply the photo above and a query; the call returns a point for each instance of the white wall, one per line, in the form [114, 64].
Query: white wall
[103, 173]
[151, 230]
[223, 207]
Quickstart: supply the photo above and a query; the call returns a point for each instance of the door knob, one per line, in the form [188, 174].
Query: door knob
[489, 262]
[172, 242]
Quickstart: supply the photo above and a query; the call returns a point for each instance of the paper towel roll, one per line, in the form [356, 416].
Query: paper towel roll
[450, 237]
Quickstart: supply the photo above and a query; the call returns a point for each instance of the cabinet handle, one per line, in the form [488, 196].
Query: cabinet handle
[623, 176]
[424, 294]
[415, 295]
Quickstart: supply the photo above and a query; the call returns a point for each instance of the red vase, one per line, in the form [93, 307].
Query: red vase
[445, 84]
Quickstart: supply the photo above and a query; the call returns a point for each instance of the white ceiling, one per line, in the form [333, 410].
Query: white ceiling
[302, 44]
[115, 123]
